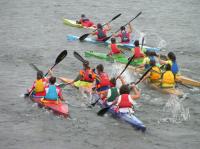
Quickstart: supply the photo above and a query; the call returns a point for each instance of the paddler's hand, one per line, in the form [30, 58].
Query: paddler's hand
[50, 72]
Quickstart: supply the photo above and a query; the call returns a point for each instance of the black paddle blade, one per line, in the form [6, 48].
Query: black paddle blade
[79, 57]
[115, 17]
[103, 111]
[61, 56]
[26, 95]
[83, 36]
[34, 67]
[105, 39]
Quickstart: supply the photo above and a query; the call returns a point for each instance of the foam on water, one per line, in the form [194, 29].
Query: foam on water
[174, 111]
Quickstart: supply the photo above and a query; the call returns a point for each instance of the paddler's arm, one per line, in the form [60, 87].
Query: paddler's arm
[147, 76]
[122, 80]
[130, 29]
[136, 91]
[161, 61]
[76, 79]
[60, 94]
[108, 27]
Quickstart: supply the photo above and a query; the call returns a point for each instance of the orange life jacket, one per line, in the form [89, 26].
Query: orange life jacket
[155, 74]
[87, 75]
[103, 80]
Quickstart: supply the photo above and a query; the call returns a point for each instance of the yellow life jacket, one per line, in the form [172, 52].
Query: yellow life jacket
[155, 74]
[39, 86]
[168, 79]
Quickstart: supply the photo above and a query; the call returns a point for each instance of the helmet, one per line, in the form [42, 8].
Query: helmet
[136, 43]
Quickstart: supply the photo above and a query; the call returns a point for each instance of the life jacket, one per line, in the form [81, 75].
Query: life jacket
[137, 52]
[147, 65]
[87, 75]
[101, 34]
[174, 68]
[84, 19]
[39, 86]
[51, 93]
[114, 94]
[155, 74]
[125, 37]
[114, 49]
[125, 103]
[103, 80]
[168, 79]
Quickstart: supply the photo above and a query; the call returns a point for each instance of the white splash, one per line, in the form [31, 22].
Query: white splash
[174, 111]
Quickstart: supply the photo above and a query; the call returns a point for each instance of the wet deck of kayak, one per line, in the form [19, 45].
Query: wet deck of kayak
[32, 31]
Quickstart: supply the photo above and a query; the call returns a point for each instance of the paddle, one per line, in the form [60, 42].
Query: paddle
[130, 60]
[86, 35]
[59, 58]
[34, 67]
[79, 57]
[123, 25]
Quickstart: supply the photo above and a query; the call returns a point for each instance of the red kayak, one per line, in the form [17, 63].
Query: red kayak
[57, 107]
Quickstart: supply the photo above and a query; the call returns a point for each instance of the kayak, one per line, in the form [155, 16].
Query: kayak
[157, 87]
[74, 24]
[116, 57]
[127, 117]
[126, 45]
[57, 107]
[179, 78]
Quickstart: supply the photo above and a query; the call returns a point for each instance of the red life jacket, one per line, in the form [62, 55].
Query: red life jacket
[103, 80]
[101, 34]
[114, 49]
[87, 75]
[137, 52]
[125, 37]
[125, 103]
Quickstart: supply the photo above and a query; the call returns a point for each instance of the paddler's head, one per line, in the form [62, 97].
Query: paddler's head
[124, 89]
[86, 64]
[171, 56]
[52, 80]
[82, 16]
[168, 67]
[99, 26]
[40, 75]
[100, 68]
[113, 40]
[152, 63]
[122, 28]
[112, 82]
[136, 43]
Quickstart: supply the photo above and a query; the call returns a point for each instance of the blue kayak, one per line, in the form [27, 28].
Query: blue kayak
[128, 45]
[127, 117]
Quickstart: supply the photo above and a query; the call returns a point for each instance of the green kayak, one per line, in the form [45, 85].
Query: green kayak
[117, 58]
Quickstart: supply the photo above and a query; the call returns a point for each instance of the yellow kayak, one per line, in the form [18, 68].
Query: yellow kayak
[74, 24]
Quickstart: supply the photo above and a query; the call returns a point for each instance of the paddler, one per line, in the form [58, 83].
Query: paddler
[171, 62]
[125, 101]
[113, 92]
[137, 52]
[167, 78]
[101, 32]
[102, 79]
[84, 21]
[53, 92]
[154, 74]
[125, 35]
[149, 56]
[38, 87]
[85, 77]
[114, 48]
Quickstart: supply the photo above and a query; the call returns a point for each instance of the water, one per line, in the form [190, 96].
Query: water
[33, 32]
